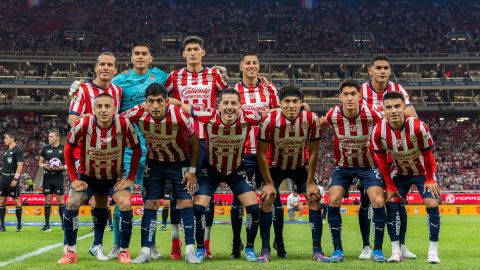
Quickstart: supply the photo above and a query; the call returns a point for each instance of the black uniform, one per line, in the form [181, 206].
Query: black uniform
[53, 180]
[10, 159]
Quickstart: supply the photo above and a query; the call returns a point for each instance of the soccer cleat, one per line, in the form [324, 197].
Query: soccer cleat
[337, 256]
[19, 228]
[176, 252]
[113, 253]
[68, 258]
[366, 253]
[264, 256]
[97, 252]
[250, 255]
[280, 248]
[433, 258]
[319, 256]
[236, 251]
[163, 228]
[124, 257]
[377, 256]
[395, 258]
[155, 254]
[142, 258]
[46, 228]
[191, 257]
[207, 249]
[407, 254]
[201, 254]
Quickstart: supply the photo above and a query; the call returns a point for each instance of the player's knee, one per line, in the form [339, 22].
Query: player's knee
[73, 204]
[184, 204]
[335, 201]
[430, 203]
[124, 203]
[152, 204]
[266, 206]
[377, 202]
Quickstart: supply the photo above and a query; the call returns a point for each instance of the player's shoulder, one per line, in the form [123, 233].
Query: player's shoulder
[122, 76]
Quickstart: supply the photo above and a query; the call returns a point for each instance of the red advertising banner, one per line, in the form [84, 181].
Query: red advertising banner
[226, 199]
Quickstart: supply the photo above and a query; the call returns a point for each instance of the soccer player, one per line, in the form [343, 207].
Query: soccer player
[103, 137]
[52, 162]
[408, 142]
[352, 124]
[168, 133]
[372, 94]
[82, 105]
[256, 96]
[10, 182]
[288, 131]
[134, 82]
[227, 129]
[196, 85]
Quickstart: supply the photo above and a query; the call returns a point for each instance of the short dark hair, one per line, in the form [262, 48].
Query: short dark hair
[379, 57]
[290, 91]
[104, 95]
[57, 133]
[11, 134]
[349, 82]
[193, 39]
[155, 89]
[230, 91]
[142, 44]
[393, 95]
[249, 53]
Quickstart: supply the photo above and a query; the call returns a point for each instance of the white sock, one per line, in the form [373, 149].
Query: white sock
[207, 232]
[145, 250]
[175, 231]
[189, 248]
[395, 247]
[72, 249]
[123, 249]
[433, 247]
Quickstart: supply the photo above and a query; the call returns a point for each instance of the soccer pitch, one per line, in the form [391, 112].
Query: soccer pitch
[458, 248]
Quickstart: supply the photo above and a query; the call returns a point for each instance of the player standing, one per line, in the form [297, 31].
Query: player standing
[408, 142]
[289, 131]
[372, 94]
[352, 124]
[196, 85]
[256, 97]
[10, 183]
[53, 182]
[103, 137]
[168, 133]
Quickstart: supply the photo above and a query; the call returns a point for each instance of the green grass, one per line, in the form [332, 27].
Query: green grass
[459, 241]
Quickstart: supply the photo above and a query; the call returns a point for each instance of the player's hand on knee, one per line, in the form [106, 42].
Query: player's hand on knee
[268, 193]
[79, 185]
[313, 193]
[122, 184]
[434, 189]
[74, 88]
[190, 181]
[391, 195]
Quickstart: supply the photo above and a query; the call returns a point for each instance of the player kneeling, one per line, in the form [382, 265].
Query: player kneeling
[103, 138]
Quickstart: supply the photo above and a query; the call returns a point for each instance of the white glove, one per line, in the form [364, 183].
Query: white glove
[222, 70]
[74, 87]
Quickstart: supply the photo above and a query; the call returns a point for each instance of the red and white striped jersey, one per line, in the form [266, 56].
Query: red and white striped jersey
[102, 149]
[225, 143]
[86, 94]
[167, 138]
[374, 99]
[404, 146]
[288, 139]
[351, 144]
[258, 99]
[196, 89]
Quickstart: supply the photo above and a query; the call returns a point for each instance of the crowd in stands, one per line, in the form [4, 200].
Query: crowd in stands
[398, 26]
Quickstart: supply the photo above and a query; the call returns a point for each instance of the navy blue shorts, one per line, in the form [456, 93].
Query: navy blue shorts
[210, 178]
[95, 186]
[404, 183]
[298, 176]
[158, 174]
[344, 176]
[202, 157]
[250, 163]
[6, 189]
